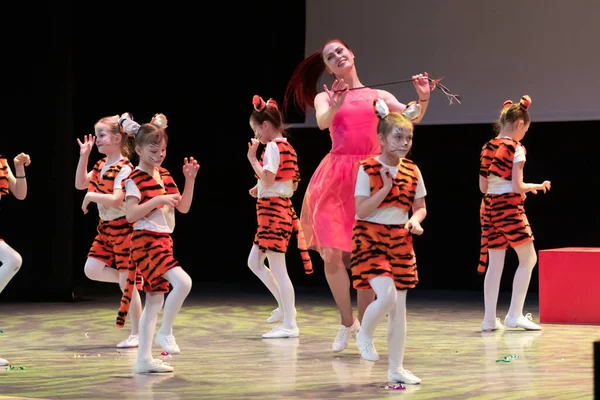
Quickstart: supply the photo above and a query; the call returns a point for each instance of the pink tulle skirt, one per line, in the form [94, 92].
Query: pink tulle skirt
[328, 209]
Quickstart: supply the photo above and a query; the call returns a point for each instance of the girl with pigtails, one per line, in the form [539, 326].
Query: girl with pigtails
[278, 176]
[328, 208]
[389, 187]
[152, 197]
[502, 215]
[104, 185]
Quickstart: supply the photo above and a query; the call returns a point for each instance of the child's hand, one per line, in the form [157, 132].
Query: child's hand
[22, 159]
[254, 192]
[413, 227]
[252, 146]
[169, 200]
[386, 177]
[545, 186]
[85, 204]
[86, 147]
[190, 169]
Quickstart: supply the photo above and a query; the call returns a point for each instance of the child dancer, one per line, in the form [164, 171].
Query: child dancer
[502, 215]
[328, 208]
[388, 186]
[104, 184]
[17, 184]
[152, 196]
[278, 178]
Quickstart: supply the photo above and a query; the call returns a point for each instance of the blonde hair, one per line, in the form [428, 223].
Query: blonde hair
[393, 119]
[113, 126]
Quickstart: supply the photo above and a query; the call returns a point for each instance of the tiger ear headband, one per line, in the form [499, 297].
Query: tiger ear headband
[128, 125]
[412, 112]
[160, 120]
[259, 104]
[524, 103]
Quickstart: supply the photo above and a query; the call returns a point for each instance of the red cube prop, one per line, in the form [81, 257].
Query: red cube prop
[569, 285]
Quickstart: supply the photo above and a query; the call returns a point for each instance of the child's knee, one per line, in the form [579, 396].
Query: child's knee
[17, 261]
[186, 283]
[91, 271]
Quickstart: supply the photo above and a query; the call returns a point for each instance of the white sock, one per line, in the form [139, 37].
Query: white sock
[491, 286]
[385, 290]
[396, 334]
[154, 302]
[527, 260]
[278, 269]
[182, 284]
[256, 262]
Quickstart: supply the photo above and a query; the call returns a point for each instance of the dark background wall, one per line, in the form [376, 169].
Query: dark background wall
[69, 66]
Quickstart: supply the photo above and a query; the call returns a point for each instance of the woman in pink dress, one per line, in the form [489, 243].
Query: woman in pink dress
[328, 209]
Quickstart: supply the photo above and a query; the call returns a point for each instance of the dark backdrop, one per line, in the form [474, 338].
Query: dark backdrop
[69, 66]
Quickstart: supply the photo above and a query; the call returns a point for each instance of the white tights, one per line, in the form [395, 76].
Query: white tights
[277, 280]
[11, 262]
[393, 303]
[96, 270]
[491, 288]
[182, 284]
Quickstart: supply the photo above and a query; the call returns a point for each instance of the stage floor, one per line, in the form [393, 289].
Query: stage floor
[66, 351]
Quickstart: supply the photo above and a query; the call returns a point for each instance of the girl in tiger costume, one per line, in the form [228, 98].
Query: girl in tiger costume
[17, 184]
[104, 185]
[345, 109]
[278, 178]
[388, 187]
[152, 197]
[502, 215]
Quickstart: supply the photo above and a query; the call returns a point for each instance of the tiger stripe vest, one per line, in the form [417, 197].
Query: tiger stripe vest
[105, 184]
[404, 186]
[497, 157]
[3, 176]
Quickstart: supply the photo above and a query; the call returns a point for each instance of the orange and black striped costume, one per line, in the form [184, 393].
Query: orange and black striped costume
[3, 178]
[113, 240]
[386, 250]
[276, 216]
[502, 216]
[151, 252]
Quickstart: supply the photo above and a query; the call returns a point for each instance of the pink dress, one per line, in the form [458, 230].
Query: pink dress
[328, 209]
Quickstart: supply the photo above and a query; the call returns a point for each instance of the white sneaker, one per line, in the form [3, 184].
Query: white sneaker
[525, 322]
[343, 335]
[155, 366]
[491, 326]
[3, 362]
[281, 332]
[167, 342]
[366, 348]
[403, 376]
[131, 341]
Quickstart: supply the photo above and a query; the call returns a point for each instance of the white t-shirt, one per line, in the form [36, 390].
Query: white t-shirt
[271, 164]
[388, 215]
[108, 214]
[497, 185]
[160, 220]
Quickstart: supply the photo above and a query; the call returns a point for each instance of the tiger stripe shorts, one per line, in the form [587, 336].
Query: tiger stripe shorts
[382, 250]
